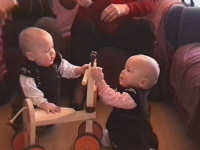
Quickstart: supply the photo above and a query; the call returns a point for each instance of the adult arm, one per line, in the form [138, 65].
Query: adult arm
[142, 7]
[33, 8]
[133, 8]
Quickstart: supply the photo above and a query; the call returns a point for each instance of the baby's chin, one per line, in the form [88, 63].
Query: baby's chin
[51, 62]
[48, 65]
[121, 84]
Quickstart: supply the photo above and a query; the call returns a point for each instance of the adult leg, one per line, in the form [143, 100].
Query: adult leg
[50, 25]
[3, 73]
[112, 60]
[84, 39]
[135, 36]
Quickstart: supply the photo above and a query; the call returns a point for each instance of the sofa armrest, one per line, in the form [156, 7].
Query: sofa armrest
[185, 80]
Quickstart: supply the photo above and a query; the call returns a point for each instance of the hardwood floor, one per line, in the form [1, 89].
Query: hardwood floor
[169, 129]
[165, 123]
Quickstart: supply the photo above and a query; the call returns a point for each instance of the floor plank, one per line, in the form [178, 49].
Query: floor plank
[165, 123]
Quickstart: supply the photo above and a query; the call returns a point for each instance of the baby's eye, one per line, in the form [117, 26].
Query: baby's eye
[47, 50]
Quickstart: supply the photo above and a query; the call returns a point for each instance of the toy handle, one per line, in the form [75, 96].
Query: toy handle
[91, 88]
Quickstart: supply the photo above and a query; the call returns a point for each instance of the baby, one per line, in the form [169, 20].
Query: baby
[40, 77]
[128, 125]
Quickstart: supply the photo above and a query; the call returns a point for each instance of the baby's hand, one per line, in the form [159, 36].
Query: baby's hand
[97, 74]
[82, 69]
[49, 107]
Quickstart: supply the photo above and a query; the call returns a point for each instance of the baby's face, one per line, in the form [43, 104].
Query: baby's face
[43, 51]
[130, 75]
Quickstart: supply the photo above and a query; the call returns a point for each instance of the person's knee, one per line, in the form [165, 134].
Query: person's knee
[48, 23]
[83, 26]
[147, 26]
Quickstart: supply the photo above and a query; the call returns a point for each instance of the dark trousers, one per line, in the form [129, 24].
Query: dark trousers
[134, 36]
[131, 134]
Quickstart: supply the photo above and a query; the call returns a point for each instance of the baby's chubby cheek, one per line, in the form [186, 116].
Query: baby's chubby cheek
[121, 82]
[52, 58]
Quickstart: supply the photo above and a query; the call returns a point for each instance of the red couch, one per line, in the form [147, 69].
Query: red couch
[177, 51]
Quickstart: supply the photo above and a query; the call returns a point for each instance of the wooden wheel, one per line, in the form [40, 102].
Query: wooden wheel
[97, 129]
[19, 141]
[87, 142]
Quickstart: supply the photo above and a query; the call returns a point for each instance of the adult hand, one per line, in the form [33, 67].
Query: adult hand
[6, 7]
[113, 11]
[84, 3]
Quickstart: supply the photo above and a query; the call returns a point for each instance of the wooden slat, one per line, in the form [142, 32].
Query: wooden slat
[66, 115]
[29, 122]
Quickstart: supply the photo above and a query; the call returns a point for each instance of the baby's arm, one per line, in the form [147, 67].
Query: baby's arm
[110, 96]
[68, 70]
[37, 96]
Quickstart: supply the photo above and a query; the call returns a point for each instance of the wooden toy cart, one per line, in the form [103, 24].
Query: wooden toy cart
[89, 132]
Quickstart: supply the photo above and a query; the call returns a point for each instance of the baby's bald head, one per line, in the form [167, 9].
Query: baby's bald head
[31, 38]
[148, 68]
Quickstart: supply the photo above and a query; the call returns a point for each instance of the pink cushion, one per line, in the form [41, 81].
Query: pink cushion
[185, 79]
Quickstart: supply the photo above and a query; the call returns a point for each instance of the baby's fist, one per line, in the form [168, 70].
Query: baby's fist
[49, 107]
[84, 68]
[97, 74]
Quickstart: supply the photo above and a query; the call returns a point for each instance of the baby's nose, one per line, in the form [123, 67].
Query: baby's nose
[122, 71]
[52, 52]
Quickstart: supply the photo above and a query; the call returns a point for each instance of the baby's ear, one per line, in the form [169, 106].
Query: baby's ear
[29, 56]
[143, 84]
